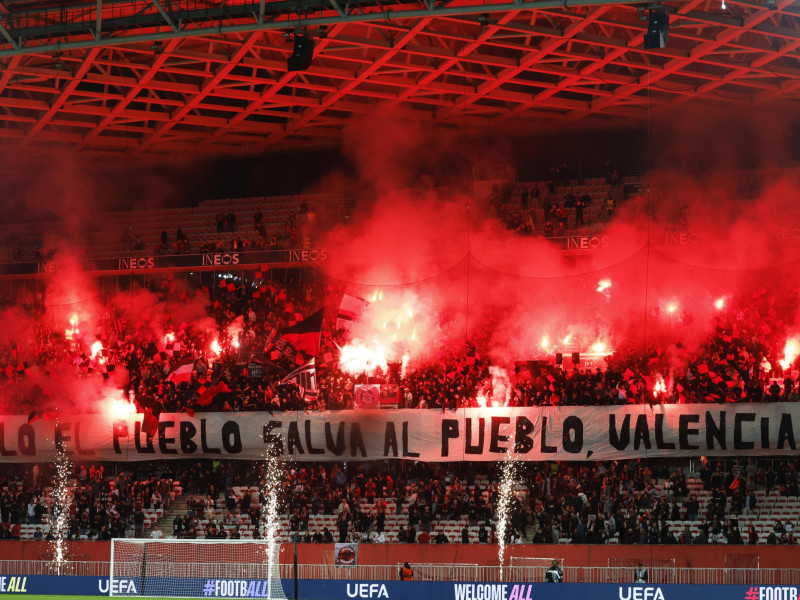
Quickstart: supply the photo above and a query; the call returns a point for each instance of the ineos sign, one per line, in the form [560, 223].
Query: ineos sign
[141, 262]
[221, 259]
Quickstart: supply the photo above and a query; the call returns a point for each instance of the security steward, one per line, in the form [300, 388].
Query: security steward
[406, 572]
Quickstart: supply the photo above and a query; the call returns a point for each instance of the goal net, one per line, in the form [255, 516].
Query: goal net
[659, 570]
[527, 568]
[177, 568]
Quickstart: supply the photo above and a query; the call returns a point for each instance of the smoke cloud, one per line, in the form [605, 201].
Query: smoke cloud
[692, 242]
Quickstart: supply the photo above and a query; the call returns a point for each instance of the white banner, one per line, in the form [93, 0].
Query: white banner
[345, 554]
[537, 433]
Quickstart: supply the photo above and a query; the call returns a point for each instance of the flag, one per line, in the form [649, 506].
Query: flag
[349, 310]
[305, 335]
[279, 352]
[367, 396]
[149, 422]
[305, 378]
[209, 394]
[47, 415]
[181, 372]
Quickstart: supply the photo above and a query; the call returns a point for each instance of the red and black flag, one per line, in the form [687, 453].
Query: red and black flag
[181, 372]
[305, 335]
[283, 346]
[46, 414]
[207, 395]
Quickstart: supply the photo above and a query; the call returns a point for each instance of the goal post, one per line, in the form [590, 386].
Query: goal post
[177, 568]
[528, 561]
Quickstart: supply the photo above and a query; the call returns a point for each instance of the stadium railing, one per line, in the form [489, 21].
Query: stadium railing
[446, 572]
[47, 567]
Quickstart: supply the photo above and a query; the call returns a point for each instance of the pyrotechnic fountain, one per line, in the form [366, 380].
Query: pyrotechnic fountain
[508, 473]
[62, 498]
[268, 522]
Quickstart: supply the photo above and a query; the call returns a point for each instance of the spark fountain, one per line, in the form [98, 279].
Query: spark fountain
[268, 525]
[62, 498]
[508, 477]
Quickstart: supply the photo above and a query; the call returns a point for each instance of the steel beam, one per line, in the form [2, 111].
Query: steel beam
[165, 16]
[8, 37]
[372, 17]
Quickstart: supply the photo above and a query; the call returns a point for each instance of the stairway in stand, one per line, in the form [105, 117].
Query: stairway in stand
[178, 508]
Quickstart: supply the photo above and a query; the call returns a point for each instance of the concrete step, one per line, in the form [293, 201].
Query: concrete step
[178, 508]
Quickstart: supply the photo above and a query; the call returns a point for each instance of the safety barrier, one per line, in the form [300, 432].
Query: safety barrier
[460, 572]
[45, 567]
[445, 572]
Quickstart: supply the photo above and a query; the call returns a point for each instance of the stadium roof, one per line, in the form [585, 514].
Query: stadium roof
[210, 77]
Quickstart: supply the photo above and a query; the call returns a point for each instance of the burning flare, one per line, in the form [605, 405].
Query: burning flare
[790, 353]
[391, 330]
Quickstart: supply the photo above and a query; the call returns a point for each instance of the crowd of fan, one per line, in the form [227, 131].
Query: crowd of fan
[585, 503]
[588, 503]
[557, 206]
[296, 231]
[102, 506]
[733, 365]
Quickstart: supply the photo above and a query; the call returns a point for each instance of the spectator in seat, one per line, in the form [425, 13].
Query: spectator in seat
[402, 535]
[412, 534]
[483, 535]
[177, 526]
[580, 204]
[774, 392]
[138, 522]
[734, 537]
[771, 539]
[692, 508]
